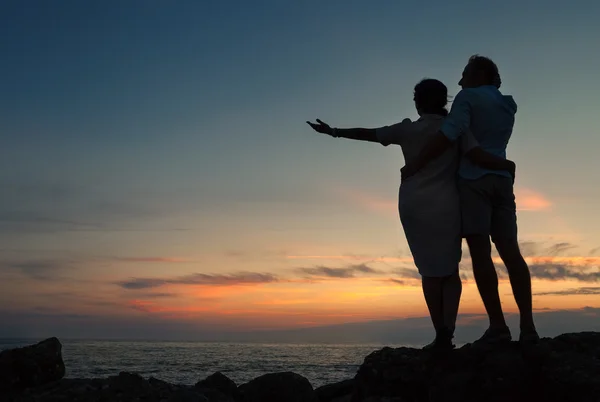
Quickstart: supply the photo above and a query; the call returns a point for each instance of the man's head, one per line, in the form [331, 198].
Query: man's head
[480, 71]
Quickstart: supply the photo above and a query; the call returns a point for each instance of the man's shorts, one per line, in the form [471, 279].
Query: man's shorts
[488, 207]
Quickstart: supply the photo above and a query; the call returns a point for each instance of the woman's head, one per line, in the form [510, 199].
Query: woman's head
[431, 97]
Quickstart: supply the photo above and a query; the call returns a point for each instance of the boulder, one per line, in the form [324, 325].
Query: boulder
[129, 383]
[31, 366]
[564, 368]
[336, 391]
[220, 382]
[278, 387]
[125, 387]
[187, 395]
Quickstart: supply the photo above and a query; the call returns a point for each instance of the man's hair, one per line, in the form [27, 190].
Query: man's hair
[488, 67]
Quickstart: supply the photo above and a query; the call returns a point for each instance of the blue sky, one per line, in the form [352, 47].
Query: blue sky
[137, 134]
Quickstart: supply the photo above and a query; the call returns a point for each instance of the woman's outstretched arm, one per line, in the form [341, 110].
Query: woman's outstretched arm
[360, 134]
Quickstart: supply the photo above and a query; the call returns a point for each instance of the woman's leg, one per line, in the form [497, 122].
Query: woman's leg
[451, 292]
[442, 296]
[432, 290]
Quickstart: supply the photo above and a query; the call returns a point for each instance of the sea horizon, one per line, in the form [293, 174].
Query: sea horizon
[34, 340]
[187, 362]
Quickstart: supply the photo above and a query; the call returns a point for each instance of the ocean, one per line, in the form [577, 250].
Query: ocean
[189, 362]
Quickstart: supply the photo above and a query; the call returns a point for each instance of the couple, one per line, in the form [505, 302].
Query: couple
[457, 183]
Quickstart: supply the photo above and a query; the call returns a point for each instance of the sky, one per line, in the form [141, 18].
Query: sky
[158, 178]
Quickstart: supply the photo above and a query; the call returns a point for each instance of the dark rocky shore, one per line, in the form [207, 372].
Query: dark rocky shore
[565, 368]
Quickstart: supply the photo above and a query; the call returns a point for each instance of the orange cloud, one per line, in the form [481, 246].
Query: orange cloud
[369, 201]
[349, 257]
[527, 200]
[152, 307]
[575, 261]
[240, 278]
[549, 266]
[285, 305]
[530, 200]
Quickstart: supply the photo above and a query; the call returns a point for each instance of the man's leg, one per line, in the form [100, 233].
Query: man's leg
[520, 280]
[486, 279]
[504, 234]
[476, 207]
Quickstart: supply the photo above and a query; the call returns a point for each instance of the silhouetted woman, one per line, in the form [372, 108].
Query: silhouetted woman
[428, 203]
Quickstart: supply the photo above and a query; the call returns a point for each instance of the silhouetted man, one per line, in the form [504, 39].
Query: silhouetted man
[487, 198]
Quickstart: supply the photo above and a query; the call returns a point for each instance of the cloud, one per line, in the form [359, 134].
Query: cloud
[79, 298]
[369, 258]
[346, 272]
[21, 217]
[526, 198]
[594, 250]
[152, 259]
[143, 306]
[39, 270]
[530, 200]
[254, 254]
[158, 295]
[560, 248]
[555, 272]
[528, 248]
[235, 253]
[42, 207]
[252, 278]
[546, 261]
[553, 262]
[369, 201]
[396, 281]
[242, 278]
[591, 290]
[144, 283]
[411, 273]
[551, 268]
[148, 306]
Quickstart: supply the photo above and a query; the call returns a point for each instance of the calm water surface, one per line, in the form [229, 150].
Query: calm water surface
[188, 362]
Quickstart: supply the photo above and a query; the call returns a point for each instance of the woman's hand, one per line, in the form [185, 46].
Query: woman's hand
[321, 127]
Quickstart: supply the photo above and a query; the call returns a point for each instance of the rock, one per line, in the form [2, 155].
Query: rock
[564, 368]
[278, 387]
[188, 395]
[215, 396]
[160, 385]
[345, 398]
[125, 387]
[127, 382]
[220, 382]
[333, 392]
[31, 366]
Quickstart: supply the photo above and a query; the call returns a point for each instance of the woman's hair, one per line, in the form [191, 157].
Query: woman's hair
[431, 97]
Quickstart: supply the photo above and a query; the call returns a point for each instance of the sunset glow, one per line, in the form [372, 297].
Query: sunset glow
[159, 179]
